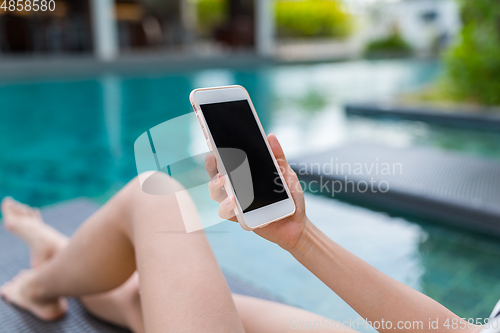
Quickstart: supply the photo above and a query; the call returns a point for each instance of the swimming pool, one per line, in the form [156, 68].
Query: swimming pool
[62, 138]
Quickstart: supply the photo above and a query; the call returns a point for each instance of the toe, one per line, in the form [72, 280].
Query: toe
[23, 208]
[54, 312]
[4, 292]
[11, 206]
[64, 305]
[19, 207]
[26, 210]
[7, 202]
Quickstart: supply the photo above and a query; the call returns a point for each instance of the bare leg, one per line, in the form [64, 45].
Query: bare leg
[26, 223]
[182, 287]
[259, 315]
[122, 306]
[43, 242]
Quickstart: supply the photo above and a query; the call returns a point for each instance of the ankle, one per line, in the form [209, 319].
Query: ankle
[35, 289]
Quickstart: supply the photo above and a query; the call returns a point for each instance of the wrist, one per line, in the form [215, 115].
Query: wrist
[305, 241]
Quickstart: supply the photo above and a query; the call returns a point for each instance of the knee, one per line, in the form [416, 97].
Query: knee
[147, 201]
[156, 183]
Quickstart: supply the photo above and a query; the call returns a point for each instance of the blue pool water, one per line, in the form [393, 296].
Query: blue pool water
[62, 138]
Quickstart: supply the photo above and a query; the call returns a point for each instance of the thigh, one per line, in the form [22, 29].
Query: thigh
[182, 286]
[262, 316]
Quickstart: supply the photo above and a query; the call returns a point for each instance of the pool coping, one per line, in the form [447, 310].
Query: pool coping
[149, 63]
[413, 196]
[466, 117]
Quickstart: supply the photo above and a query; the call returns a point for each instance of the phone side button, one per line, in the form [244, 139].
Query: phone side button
[204, 132]
[202, 127]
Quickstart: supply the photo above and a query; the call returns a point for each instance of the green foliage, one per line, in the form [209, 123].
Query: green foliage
[310, 101]
[472, 66]
[312, 18]
[211, 13]
[393, 44]
[294, 18]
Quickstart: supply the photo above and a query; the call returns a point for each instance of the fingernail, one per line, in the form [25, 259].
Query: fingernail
[216, 178]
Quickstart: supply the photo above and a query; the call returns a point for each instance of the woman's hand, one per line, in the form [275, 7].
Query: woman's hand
[286, 232]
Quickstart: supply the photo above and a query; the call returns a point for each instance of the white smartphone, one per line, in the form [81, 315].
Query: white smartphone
[232, 129]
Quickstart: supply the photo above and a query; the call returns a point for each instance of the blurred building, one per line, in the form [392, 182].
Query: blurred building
[108, 28]
[65, 29]
[424, 24]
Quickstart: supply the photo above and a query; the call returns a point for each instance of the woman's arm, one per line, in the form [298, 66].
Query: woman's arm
[372, 294]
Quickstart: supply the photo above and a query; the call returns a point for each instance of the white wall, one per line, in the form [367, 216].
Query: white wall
[104, 29]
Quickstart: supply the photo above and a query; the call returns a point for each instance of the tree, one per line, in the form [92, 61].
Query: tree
[472, 65]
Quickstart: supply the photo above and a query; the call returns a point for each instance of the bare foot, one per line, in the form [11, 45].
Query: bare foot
[21, 292]
[26, 223]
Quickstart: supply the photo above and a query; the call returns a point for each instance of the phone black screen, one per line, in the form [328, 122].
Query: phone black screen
[233, 125]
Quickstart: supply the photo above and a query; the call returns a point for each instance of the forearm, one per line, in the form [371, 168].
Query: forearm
[372, 294]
